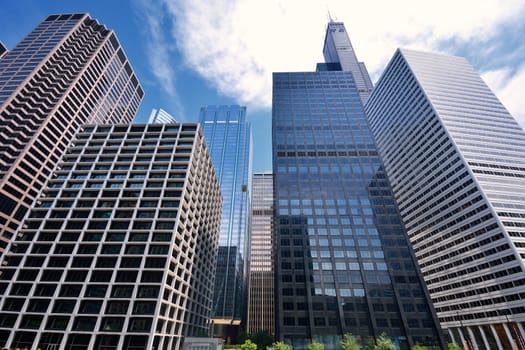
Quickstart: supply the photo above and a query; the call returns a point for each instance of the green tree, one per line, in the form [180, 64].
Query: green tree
[248, 345]
[384, 343]
[314, 345]
[281, 346]
[419, 347]
[452, 346]
[369, 343]
[349, 342]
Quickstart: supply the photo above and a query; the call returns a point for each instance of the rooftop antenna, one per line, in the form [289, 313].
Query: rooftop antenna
[329, 15]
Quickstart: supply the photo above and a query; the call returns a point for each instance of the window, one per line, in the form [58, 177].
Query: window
[117, 307]
[122, 291]
[96, 291]
[112, 324]
[90, 306]
[57, 322]
[140, 325]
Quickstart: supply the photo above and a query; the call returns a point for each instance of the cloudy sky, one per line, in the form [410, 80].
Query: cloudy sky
[188, 54]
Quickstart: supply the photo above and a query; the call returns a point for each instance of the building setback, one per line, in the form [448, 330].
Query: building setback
[228, 136]
[343, 260]
[456, 161]
[70, 70]
[261, 306]
[119, 250]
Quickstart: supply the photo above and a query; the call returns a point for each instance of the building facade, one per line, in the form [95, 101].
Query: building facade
[119, 250]
[68, 71]
[3, 49]
[456, 161]
[261, 306]
[160, 116]
[228, 136]
[343, 261]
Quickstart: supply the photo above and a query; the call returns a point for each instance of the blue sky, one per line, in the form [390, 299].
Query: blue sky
[189, 54]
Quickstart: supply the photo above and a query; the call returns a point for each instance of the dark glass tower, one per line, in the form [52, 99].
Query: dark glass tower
[343, 260]
[228, 136]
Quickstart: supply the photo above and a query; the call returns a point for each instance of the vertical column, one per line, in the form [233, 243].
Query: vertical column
[451, 335]
[464, 343]
[484, 336]
[472, 339]
[510, 337]
[495, 335]
[522, 334]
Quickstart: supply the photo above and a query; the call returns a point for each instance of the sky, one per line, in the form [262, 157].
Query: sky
[192, 53]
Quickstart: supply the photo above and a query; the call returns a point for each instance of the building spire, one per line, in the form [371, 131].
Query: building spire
[329, 15]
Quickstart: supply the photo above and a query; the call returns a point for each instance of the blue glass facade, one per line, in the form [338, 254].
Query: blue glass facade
[228, 137]
[343, 261]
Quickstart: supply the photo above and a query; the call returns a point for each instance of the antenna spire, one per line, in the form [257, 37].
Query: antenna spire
[329, 16]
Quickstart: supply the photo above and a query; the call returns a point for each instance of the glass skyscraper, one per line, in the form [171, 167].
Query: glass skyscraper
[456, 161]
[70, 70]
[261, 306]
[343, 260]
[119, 250]
[228, 136]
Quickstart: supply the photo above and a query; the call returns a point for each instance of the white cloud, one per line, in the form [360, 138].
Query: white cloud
[160, 50]
[509, 89]
[236, 45]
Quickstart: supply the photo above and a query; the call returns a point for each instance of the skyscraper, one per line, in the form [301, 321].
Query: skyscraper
[343, 261]
[261, 306]
[160, 116]
[339, 52]
[119, 250]
[456, 161]
[70, 70]
[228, 136]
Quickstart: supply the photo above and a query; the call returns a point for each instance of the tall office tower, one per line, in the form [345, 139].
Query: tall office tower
[343, 260]
[228, 136]
[339, 53]
[160, 116]
[119, 250]
[456, 161]
[70, 70]
[261, 306]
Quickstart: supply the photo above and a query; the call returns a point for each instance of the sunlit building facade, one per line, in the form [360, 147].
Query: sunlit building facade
[261, 305]
[70, 70]
[456, 160]
[342, 258]
[228, 136]
[160, 116]
[119, 250]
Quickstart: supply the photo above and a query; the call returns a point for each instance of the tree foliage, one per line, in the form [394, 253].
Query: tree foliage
[384, 343]
[369, 343]
[314, 345]
[419, 347]
[263, 339]
[452, 346]
[248, 345]
[281, 346]
[349, 342]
